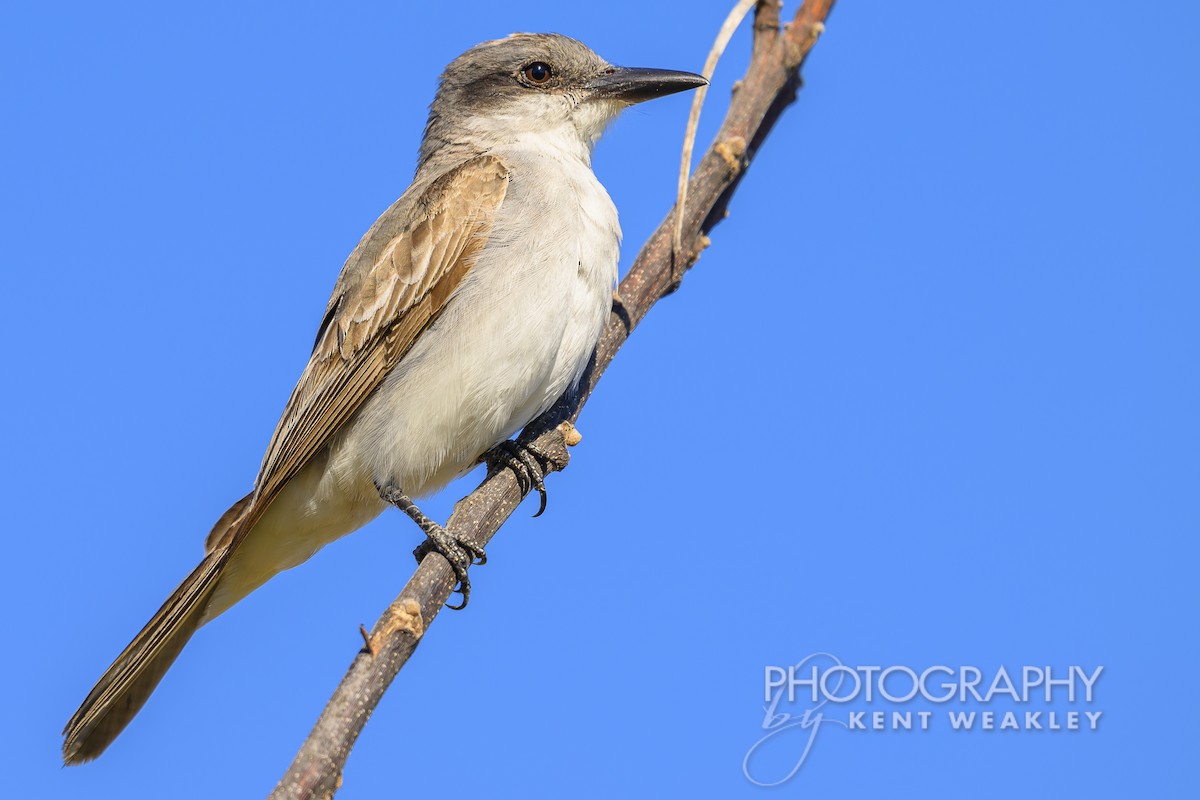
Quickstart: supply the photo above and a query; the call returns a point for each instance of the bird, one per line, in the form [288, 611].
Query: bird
[465, 311]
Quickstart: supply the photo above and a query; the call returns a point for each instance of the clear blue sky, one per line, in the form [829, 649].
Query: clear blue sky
[930, 398]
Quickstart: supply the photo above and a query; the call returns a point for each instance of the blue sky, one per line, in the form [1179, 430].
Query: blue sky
[929, 399]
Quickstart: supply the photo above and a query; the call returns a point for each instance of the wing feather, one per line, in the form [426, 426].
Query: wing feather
[394, 285]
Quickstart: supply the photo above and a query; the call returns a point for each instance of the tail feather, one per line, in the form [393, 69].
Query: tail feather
[126, 685]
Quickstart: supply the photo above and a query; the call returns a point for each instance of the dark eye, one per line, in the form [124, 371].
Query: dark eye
[538, 72]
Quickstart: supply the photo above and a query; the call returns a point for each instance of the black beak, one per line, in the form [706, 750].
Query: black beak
[635, 84]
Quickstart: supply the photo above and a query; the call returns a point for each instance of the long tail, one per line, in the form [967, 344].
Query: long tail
[127, 684]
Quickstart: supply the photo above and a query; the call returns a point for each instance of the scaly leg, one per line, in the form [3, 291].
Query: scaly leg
[459, 552]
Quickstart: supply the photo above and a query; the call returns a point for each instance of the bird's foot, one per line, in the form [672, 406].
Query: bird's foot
[460, 552]
[525, 460]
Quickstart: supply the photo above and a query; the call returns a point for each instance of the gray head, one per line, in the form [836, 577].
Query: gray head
[533, 85]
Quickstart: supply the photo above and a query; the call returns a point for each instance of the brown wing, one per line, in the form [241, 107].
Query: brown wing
[393, 286]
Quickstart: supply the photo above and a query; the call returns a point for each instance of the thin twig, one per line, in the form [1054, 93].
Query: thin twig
[768, 87]
[736, 15]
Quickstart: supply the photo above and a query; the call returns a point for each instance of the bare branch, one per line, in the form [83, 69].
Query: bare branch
[769, 85]
[766, 23]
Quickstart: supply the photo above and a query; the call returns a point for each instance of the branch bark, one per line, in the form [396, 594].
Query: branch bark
[769, 86]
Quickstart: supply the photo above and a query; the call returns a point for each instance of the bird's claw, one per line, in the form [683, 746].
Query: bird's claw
[525, 461]
[459, 552]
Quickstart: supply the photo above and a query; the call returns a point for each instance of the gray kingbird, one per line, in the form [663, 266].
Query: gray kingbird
[465, 311]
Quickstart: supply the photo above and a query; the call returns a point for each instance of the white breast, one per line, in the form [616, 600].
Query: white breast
[517, 333]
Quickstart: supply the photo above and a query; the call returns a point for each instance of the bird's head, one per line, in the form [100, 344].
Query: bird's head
[535, 84]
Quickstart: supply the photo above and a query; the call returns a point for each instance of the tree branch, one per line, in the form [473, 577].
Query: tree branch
[769, 86]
